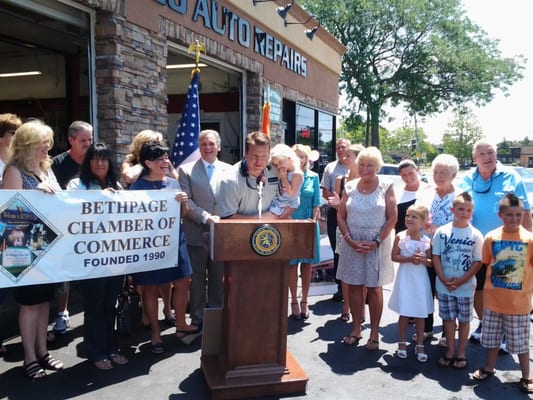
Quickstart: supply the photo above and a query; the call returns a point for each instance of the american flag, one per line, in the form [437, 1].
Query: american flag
[185, 148]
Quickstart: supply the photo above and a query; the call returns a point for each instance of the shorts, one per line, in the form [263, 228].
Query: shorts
[481, 275]
[514, 327]
[34, 294]
[452, 308]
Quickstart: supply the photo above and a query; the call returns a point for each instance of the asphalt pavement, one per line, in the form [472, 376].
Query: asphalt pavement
[335, 371]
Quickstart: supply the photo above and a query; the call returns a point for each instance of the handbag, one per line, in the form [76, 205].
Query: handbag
[129, 309]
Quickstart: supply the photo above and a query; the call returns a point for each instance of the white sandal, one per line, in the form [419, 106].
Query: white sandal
[421, 355]
[401, 353]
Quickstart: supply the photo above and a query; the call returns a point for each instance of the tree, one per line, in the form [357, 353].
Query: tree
[426, 55]
[463, 132]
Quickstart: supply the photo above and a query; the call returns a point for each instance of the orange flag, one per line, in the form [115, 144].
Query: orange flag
[265, 126]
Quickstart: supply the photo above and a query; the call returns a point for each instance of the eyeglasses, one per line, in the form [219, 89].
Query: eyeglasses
[479, 185]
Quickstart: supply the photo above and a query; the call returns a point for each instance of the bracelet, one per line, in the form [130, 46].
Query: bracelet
[347, 236]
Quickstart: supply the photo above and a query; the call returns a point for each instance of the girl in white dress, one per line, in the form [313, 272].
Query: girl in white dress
[411, 294]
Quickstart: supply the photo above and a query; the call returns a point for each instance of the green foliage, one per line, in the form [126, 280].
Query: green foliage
[463, 131]
[424, 55]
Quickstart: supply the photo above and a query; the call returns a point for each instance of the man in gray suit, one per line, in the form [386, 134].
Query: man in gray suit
[200, 180]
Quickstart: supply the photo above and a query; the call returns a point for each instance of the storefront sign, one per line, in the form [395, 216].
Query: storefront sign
[73, 235]
[226, 23]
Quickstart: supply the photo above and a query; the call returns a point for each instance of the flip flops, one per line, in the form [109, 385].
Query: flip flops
[34, 371]
[445, 362]
[103, 365]
[482, 374]
[48, 362]
[351, 340]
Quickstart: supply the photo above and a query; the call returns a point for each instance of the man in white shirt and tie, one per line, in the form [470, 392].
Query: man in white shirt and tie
[200, 180]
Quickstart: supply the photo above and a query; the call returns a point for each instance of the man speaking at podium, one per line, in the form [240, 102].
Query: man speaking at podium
[251, 183]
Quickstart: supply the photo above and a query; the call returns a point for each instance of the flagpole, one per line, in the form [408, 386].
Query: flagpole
[185, 148]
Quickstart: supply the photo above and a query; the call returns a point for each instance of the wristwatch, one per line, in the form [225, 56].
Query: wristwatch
[377, 240]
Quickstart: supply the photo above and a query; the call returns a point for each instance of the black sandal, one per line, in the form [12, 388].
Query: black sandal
[445, 362]
[526, 385]
[34, 371]
[48, 362]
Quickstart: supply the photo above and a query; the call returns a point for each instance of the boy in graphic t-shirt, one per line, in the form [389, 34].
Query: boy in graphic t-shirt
[507, 252]
[456, 259]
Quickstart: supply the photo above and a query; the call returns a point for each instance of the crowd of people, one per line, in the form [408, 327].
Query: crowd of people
[468, 245]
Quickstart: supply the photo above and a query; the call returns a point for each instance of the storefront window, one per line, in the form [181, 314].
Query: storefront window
[305, 125]
[325, 137]
[314, 128]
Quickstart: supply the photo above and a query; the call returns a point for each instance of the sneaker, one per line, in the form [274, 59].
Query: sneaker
[62, 323]
[503, 347]
[427, 335]
[475, 337]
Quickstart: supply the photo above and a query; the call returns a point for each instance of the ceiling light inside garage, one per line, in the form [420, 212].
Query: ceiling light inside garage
[183, 66]
[19, 74]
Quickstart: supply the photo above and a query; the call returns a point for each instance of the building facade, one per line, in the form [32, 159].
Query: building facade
[124, 66]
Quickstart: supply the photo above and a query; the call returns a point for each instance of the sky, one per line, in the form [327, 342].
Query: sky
[510, 117]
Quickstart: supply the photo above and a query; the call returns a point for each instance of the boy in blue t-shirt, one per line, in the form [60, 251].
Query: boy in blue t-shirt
[456, 249]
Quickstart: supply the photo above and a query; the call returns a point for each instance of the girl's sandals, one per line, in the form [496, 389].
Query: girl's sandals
[420, 353]
[372, 345]
[445, 362]
[118, 359]
[345, 317]
[296, 311]
[304, 315]
[48, 362]
[460, 363]
[526, 385]
[104, 364]
[351, 340]
[482, 374]
[34, 371]
[402, 353]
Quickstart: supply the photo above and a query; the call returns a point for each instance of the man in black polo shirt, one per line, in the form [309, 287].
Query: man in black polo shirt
[66, 166]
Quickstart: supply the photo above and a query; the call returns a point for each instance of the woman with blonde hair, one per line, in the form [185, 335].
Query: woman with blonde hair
[309, 208]
[351, 162]
[366, 216]
[131, 167]
[29, 169]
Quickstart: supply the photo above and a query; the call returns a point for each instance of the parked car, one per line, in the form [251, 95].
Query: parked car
[527, 176]
[392, 173]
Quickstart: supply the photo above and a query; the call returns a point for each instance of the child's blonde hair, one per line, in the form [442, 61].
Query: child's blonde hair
[420, 210]
[283, 152]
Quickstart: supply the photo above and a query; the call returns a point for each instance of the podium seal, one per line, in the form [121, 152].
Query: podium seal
[266, 240]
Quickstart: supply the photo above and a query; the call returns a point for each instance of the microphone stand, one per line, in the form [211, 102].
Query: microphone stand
[260, 185]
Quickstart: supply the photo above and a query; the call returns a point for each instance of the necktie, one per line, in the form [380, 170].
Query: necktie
[210, 168]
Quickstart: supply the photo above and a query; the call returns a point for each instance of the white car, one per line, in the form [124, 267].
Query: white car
[527, 177]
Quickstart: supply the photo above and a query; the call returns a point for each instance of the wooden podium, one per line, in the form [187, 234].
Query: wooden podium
[253, 359]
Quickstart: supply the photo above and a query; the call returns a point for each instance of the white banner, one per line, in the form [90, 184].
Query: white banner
[72, 235]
